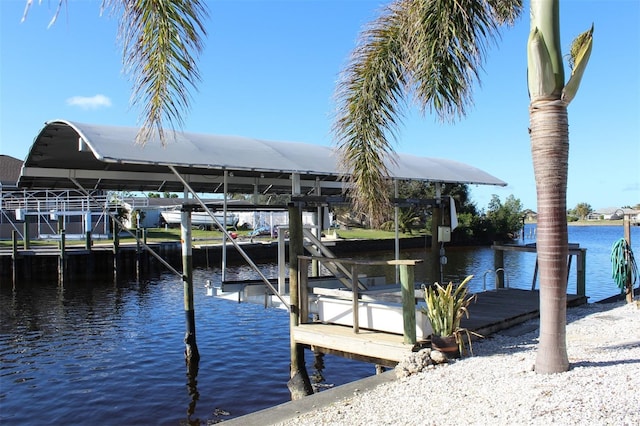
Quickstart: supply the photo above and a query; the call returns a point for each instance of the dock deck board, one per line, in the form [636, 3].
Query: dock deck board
[493, 311]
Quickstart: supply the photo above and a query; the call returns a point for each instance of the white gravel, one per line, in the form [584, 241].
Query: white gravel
[499, 387]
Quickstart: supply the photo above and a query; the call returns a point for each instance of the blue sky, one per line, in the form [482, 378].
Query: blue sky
[269, 71]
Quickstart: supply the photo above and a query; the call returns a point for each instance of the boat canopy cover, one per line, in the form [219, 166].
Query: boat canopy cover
[106, 158]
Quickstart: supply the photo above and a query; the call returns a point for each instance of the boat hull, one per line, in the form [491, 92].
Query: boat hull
[200, 219]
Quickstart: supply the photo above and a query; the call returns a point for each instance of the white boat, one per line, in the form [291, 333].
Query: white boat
[201, 220]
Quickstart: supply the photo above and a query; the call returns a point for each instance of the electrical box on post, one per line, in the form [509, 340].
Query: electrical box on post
[444, 234]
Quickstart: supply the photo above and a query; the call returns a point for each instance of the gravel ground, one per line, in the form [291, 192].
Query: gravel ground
[499, 387]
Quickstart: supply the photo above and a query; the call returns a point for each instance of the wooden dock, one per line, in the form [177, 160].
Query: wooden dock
[493, 311]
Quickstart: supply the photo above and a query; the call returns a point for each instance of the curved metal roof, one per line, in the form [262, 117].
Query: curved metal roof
[106, 157]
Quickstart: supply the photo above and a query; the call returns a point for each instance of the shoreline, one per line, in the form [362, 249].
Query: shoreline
[597, 223]
[497, 385]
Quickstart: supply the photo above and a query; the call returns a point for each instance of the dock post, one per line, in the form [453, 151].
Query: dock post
[138, 254]
[581, 272]
[116, 246]
[87, 241]
[191, 354]
[355, 302]
[628, 288]
[498, 267]
[299, 383]
[26, 241]
[435, 248]
[14, 256]
[62, 258]
[408, 303]
[303, 288]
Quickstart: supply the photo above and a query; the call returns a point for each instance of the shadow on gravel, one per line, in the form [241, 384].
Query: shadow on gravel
[523, 337]
[586, 364]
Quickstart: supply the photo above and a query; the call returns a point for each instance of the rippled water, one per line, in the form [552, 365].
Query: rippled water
[105, 353]
[110, 353]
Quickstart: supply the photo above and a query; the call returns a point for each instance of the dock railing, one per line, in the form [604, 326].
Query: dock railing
[407, 287]
[574, 250]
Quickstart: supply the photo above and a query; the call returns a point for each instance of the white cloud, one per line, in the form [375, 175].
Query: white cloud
[89, 102]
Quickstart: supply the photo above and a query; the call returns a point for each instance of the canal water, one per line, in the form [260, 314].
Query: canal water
[111, 353]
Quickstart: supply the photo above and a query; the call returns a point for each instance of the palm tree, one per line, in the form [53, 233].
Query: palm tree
[549, 132]
[433, 50]
[161, 41]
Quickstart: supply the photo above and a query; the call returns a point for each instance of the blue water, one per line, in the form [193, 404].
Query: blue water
[519, 266]
[110, 353]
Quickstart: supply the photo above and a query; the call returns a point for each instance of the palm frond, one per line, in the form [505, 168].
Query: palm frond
[161, 42]
[369, 95]
[54, 18]
[431, 50]
[448, 41]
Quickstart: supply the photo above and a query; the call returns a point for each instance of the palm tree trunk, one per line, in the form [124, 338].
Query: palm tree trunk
[549, 133]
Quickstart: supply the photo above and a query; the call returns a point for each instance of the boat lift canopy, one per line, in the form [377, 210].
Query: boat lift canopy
[106, 158]
[92, 157]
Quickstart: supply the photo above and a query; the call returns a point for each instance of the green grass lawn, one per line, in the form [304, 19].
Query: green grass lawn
[155, 235]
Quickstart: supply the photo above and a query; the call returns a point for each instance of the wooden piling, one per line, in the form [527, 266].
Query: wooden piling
[26, 240]
[299, 383]
[14, 257]
[62, 258]
[116, 246]
[498, 267]
[138, 254]
[628, 288]
[192, 356]
[303, 290]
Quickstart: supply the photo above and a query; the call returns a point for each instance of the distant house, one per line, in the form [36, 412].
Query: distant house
[45, 209]
[530, 215]
[615, 213]
[9, 172]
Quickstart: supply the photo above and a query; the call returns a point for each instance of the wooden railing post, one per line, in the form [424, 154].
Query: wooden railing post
[581, 273]
[26, 239]
[498, 267]
[354, 303]
[408, 303]
[628, 288]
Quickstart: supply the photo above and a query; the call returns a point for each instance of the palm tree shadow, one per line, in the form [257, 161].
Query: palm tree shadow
[523, 338]
[587, 364]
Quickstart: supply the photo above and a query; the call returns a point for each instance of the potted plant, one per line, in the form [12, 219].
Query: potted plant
[445, 309]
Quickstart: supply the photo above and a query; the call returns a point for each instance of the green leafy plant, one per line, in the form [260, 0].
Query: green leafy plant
[445, 308]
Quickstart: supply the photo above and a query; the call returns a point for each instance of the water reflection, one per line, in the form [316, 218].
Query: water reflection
[318, 381]
[192, 389]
